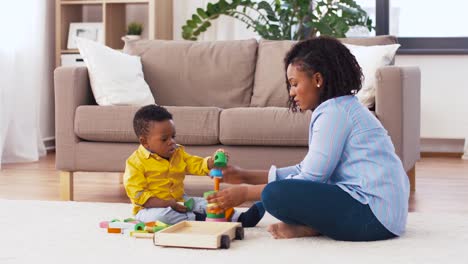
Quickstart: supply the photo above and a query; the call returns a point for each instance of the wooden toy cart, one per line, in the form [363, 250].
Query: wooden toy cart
[195, 234]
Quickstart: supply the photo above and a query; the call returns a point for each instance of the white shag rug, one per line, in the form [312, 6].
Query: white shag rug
[68, 232]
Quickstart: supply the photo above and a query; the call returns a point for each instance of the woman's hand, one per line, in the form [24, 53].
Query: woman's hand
[228, 198]
[233, 175]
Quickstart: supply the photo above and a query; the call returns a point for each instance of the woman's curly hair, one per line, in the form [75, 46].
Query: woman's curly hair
[341, 73]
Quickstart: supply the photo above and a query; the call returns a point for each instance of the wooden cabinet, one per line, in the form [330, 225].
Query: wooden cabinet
[155, 15]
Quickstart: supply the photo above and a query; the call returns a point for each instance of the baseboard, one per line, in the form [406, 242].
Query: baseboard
[443, 147]
[49, 143]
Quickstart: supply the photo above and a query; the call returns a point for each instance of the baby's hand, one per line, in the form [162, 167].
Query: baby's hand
[177, 206]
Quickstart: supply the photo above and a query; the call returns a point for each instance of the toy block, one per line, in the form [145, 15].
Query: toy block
[150, 224]
[104, 224]
[220, 159]
[189, 204]
[212, 215]
[159, 223]
[114, 230]
[158, 228]
[139, 227]
[208, 193]
[132, 233]
[122, 225]
[217, 173]
[215, 219]
[143, 235]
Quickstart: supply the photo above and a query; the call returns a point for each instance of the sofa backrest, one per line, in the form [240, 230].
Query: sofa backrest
[186, 73]
[270, 81]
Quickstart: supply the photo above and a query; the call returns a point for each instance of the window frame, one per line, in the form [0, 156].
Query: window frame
[417, 45]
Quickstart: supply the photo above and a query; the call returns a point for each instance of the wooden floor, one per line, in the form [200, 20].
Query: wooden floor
[441, 184]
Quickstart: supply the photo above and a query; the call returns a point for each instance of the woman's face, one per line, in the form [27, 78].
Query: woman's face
[305, 89]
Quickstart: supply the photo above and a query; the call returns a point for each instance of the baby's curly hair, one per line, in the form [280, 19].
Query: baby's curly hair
[147, 114]
[341, 73]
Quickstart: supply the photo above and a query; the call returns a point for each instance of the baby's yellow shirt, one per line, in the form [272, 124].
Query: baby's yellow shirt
[149, 175]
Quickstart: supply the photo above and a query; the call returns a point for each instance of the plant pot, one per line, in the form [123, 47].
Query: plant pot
[128, 38]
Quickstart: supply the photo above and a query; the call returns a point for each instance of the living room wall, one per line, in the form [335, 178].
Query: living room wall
[444, 94]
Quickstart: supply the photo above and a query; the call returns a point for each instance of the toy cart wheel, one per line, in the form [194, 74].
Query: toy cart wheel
[239, 233]
[225, 241]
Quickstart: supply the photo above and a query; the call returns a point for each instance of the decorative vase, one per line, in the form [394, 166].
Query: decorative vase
[131, 38]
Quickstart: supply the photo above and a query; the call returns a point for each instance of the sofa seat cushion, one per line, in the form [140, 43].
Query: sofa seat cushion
[194, 125]
[268, 126]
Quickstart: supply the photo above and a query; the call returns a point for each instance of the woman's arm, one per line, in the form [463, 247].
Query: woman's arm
[236, 175]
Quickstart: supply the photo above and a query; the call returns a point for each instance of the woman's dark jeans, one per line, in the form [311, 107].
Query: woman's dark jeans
[323, 207]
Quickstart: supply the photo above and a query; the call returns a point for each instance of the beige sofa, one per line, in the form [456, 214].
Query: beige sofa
[228, 94]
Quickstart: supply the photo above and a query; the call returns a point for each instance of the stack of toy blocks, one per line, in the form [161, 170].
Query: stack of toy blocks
[220, 161]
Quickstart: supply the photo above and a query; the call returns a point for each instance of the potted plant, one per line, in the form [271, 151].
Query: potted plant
[134, 30]
[283, 19]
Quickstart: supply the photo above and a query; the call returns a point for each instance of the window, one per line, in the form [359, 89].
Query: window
[422, 26]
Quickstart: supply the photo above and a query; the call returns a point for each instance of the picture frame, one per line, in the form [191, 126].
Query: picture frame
[91, 31]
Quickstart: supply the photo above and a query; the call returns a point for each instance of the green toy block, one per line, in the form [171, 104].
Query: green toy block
[129, 220]
[220, 159]
[158, 228]
[209, 215]
[208, 193]
[140, 226]
[189, 204]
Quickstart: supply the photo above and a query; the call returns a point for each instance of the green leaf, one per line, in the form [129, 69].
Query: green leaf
[211, 9]
[196, 19]
[191, 23]
[202, 13]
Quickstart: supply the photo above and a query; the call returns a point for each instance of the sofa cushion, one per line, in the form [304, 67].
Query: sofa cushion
[270, 79]
[194, 125]
[116, 78]
[371, 59]
[186, 73]
[268, 126]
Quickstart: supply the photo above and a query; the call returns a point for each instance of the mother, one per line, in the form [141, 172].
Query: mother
[351, 185]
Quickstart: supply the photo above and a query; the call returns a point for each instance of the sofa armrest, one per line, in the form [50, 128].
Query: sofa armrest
[72, 89]
[398, 107]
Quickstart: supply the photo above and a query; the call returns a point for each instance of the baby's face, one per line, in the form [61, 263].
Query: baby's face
[161, 138]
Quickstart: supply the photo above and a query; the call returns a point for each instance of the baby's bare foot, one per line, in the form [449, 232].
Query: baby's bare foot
[282, 230]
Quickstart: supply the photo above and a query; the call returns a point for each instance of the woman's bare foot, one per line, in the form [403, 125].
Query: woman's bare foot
[282, 230]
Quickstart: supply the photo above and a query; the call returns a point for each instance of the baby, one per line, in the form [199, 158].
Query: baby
[155, 173]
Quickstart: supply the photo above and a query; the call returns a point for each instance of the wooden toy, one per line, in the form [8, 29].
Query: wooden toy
[196, 234]
[104, 224]
[114, 230]
[189, 204]
[122, 225]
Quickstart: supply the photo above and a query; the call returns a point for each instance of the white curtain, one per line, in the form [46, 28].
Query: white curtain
[223, 28]
[24, 72]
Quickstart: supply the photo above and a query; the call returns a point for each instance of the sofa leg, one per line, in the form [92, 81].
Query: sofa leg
[412, 178]
[66, 185]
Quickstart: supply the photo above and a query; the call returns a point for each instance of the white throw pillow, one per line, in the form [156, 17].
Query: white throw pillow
[371, 58]
[116, 78]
